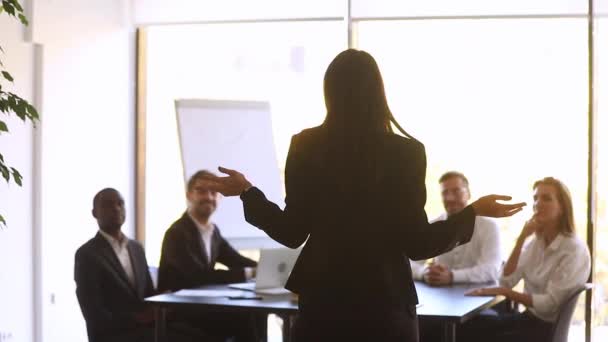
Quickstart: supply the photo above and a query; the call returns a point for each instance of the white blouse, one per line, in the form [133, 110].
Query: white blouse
[551, 273]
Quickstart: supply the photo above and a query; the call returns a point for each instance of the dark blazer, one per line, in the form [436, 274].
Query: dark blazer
[107, 299]
[184, 264]
[357, 243]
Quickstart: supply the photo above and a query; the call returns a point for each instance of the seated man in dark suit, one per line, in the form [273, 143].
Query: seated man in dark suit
[112, 279]
[191, 247]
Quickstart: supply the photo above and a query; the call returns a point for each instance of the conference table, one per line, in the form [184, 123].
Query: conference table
[446, 305]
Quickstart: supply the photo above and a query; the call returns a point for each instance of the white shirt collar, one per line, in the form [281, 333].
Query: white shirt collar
[203, 228]
[121, 241]
[554, 245]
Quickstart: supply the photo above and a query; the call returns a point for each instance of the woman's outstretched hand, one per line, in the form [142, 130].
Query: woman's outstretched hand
[232, 185]
[487, 206]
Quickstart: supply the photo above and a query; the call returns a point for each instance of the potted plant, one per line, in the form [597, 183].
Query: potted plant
[11, 103]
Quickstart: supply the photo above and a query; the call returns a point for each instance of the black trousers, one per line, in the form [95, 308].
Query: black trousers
[503, 327]
[338, 324]
[219, 326]
[175, 333]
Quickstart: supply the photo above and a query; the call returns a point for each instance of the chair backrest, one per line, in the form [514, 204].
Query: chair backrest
[154, 275]
[562, 325]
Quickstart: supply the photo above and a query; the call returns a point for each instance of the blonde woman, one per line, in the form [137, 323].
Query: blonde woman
[552, 261]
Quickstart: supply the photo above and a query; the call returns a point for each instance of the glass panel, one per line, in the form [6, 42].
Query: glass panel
[282, 63]
[600, 308]
[600, 8]
[502, 100]
[179, 11]
[411, 8]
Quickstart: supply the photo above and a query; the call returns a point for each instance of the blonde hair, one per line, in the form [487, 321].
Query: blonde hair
[566, 221]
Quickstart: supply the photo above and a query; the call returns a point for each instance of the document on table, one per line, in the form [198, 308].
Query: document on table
[210, 293]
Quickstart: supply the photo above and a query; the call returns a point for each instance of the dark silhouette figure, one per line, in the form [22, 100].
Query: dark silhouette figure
[355, 193]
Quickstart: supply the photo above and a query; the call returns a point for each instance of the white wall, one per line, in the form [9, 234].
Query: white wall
[88, 92]
[16, 203]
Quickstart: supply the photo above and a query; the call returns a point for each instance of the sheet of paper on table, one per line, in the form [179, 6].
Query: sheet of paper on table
[210, 293]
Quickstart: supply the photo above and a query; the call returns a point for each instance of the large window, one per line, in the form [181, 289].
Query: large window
[502, 100]
[451, 8]
[599, 307]
[282, 63]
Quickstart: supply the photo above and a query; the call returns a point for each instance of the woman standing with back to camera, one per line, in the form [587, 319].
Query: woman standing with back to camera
[355, 192]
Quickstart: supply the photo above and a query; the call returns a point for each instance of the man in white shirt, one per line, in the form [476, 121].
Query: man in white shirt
[479, 260]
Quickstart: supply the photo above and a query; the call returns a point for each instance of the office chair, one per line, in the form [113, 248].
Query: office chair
[562, 325]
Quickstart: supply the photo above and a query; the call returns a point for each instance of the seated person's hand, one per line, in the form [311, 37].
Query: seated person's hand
[532, 225]
[438, 275]
[487, 291]
[250, 272]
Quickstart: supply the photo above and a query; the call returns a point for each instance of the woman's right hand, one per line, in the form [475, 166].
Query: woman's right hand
[487, 206]
[529, 228]
[232, 185]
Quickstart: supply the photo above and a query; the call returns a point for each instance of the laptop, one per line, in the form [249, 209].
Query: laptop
[273, 270]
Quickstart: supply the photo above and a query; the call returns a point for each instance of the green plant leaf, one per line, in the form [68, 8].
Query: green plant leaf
[8, 8]
[10, 100]
[33, 112]
[23, 109]
[23, 19]
[20, 109]
[7, 76]
[3, 127]
[2, 222]
[12, 105]
[16, 4]
[17, 176]
[5, 172]
[1, 158]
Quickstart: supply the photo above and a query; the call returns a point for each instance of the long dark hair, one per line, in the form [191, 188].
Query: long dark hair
[358, 114]
[354, 96]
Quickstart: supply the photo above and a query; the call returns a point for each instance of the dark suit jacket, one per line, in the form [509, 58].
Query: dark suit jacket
[184, 264]
[358, 242]
[107, 299]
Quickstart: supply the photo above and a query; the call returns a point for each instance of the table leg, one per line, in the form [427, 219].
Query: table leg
[288, 322]
[160, 326]
[449, 332]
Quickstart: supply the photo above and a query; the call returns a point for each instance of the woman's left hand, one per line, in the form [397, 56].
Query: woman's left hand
[488, 206]
[232, 185]
[488, 291]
